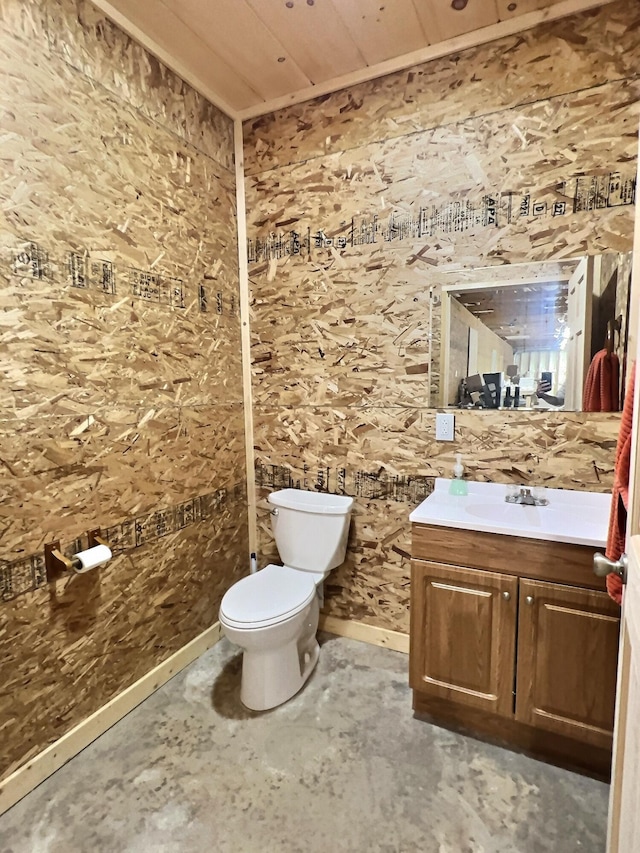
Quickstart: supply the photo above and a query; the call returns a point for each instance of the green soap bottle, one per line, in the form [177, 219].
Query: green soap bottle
[458, 486]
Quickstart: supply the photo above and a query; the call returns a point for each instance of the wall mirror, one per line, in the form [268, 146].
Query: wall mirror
[523, 336]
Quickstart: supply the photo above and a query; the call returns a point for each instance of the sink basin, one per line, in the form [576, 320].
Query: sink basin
[507, 513]
[570, 516]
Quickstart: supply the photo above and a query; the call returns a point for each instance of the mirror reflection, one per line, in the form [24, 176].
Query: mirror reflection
[537, 336]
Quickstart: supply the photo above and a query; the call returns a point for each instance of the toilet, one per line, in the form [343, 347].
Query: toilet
[273, 614]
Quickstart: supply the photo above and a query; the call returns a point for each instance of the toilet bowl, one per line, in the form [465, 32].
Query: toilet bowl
[278, 635]
[273, 614]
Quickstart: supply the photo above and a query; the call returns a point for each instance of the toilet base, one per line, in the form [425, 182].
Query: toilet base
[271, 676]
[265, 685]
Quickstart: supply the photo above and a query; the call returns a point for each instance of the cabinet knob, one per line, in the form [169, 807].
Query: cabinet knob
[529, 599]
[506, 596]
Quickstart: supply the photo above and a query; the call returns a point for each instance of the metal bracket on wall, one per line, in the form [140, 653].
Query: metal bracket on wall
[94, 538]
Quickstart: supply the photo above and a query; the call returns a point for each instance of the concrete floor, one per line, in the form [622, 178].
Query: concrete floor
[341, 767]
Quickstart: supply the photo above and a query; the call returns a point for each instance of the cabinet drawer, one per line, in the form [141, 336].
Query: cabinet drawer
[463, 624]
[559, 562]
[567, 659]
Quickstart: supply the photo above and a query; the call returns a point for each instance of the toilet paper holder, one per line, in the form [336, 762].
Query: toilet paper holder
[56, 562]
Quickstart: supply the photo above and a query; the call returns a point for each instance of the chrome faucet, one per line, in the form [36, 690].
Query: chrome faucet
[525, 498]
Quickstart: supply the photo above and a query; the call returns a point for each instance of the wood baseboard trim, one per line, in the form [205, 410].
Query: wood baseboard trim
[366, 633]
[37, 769]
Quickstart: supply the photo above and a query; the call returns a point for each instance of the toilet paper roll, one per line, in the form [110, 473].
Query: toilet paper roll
[93, 558]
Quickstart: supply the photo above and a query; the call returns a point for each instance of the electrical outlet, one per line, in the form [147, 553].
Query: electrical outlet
[445, 426]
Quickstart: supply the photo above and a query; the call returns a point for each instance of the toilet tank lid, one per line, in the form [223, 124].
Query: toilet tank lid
[318, 502]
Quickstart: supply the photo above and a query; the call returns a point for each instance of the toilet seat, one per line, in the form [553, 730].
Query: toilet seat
[270, 596]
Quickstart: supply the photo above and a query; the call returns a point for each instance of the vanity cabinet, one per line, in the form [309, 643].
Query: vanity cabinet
[515, 639]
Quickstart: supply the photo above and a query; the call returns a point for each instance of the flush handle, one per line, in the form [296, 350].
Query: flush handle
[269, 510]
[603, 567]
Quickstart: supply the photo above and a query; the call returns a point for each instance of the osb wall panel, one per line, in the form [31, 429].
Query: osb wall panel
[89, 42]
[116, 464]
[523, 150]
[575, 53]
[69, 647]
[65, 348]
[120, 387]
[359, 319]
[328, 333]
[537, 151]
[347, 449]
[119, 185]
[388, 458]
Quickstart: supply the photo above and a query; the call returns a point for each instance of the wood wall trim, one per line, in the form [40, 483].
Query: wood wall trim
[435, 51]
[365, 633]
[245, 336]
[39, 768]
[633, 350]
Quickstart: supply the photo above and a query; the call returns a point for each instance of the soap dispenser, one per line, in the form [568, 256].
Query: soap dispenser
[458, 486]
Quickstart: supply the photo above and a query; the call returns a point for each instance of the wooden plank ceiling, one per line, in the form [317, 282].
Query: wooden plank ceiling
[250, 56]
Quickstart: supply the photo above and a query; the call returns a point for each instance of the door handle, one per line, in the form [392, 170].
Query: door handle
[603, 567]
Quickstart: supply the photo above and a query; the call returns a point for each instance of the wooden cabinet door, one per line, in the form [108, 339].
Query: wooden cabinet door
[567, 658]
[463, 626]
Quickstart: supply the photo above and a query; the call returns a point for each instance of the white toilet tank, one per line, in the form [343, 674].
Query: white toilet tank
[310, 528]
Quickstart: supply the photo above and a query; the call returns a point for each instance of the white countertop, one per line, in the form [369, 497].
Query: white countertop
[581, 518]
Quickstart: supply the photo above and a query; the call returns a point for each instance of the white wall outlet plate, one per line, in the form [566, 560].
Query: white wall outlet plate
[445, 426]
